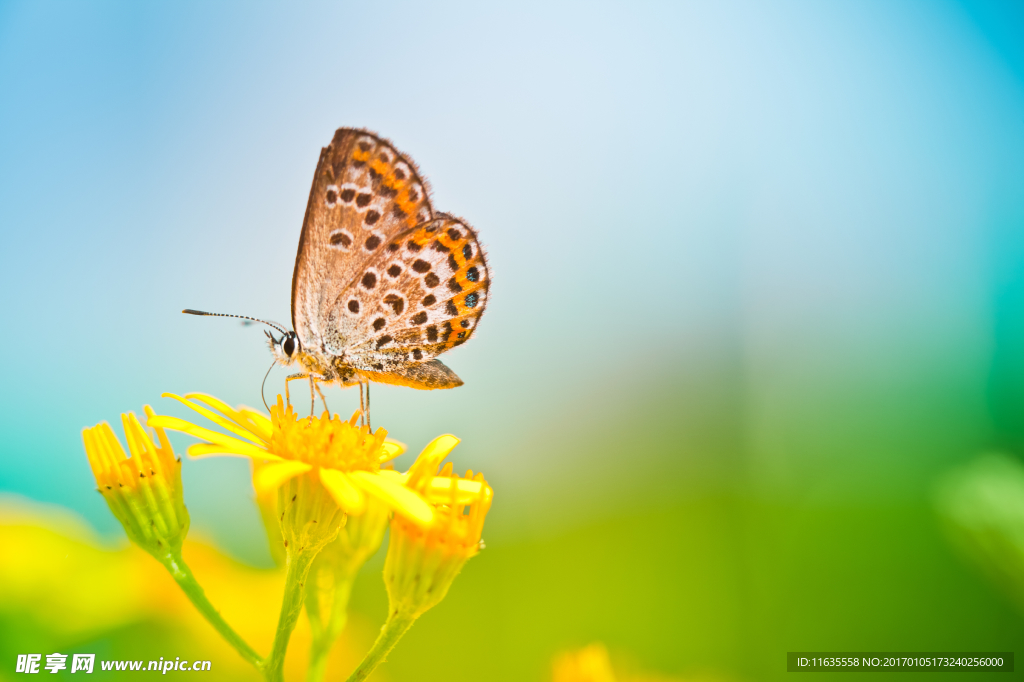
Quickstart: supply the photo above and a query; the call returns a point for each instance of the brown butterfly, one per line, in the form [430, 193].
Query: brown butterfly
[382, 284]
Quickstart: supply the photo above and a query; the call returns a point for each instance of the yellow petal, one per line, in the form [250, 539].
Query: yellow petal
[270, 476]
[391, 449]
[426, 464]
[243, 416]
[467, 491]
[218, 419]
[348, 496]
[439, 448]
[165, 444]
[230, 445]
[394, 494]
[200, 450]
[260, 422]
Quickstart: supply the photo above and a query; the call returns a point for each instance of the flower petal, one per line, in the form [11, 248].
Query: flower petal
[348, 496]
[230, 445]
[218, 419]
[200, 450]
[269, 476]
[261, 424]
[397, 496]
[391, 449]
[426, 464]
[467, 490]
[242, 416]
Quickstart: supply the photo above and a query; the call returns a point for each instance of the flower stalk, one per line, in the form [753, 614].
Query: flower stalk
[291, 607]
[182, 575]
[396, 625]
[331, 579]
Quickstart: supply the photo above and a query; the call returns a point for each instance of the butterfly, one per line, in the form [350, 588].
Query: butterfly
[383, 284]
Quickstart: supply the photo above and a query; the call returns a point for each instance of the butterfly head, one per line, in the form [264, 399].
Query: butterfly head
[286, 349]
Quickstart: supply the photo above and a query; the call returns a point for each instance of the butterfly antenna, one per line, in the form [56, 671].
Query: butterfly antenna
[264, 385]
[189, 311]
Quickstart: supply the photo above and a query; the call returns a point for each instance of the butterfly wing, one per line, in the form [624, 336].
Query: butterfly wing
[425, 376]
[421, 295]
[364, 193]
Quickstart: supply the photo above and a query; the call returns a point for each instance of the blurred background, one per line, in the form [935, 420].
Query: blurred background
[758, 308]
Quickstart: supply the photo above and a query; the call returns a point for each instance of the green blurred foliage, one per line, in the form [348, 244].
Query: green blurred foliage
[982, 504]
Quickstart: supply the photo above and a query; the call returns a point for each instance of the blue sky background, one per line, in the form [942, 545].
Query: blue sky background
[774, 197]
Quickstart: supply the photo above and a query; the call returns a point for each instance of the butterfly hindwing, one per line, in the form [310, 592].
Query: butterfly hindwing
[364, 193]
[429, 290]
[429, 375]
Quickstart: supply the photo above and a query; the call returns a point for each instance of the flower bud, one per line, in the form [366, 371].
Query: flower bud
[143, 491]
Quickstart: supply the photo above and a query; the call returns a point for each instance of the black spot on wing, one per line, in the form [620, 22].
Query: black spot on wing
[396, 302]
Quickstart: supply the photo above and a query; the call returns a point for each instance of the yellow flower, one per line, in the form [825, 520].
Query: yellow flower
[423, 561]
[144, 490]
[335, 453]
[592, 664]
[589, 664]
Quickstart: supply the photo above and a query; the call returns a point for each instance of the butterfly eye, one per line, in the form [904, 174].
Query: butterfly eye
[289, 345]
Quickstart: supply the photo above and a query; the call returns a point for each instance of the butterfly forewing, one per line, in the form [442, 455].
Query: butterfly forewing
[364, 193]
[422, 295]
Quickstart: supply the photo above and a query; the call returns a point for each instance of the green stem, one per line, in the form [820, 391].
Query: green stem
[324, 636]
[396, 626]
[182, 575]
[291, 607]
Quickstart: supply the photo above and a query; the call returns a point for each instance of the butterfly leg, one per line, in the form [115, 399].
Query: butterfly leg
[322, 399]
[287, 394]
[362, 405]
[368, 407]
